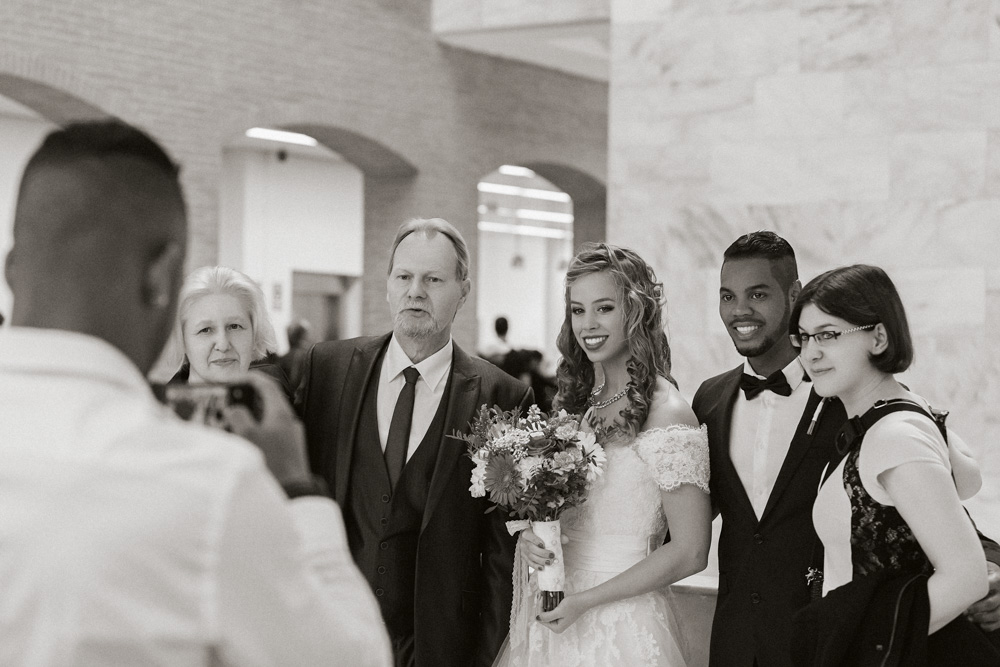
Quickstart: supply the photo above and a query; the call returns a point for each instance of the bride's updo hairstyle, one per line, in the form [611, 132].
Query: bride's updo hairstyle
[640, 297]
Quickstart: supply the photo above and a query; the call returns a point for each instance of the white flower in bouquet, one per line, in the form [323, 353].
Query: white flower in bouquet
[566, 431]
[564, 461]
[520, 436]
[529, 466]
[595, 453]
[478, 488]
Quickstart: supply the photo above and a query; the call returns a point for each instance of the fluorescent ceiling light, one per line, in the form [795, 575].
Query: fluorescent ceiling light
[524, 230]
[526, 214]
[282, 136]
[512, 170]
[530, 193]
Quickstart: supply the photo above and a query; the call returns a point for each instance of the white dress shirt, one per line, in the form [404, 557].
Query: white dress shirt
[130, 537]
[761, 432]
[427, 395]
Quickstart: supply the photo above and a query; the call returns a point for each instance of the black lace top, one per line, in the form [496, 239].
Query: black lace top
[880, 538]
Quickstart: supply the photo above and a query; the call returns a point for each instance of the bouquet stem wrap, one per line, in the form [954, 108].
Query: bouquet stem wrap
[552, 578]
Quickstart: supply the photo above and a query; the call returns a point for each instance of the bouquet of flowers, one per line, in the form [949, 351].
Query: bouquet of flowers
[534, 466]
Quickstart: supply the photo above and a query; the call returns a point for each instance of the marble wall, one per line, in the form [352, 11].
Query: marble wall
[860, 130]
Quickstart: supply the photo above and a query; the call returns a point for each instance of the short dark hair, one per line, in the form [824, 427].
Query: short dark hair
[861, 295]
[501, 326]
[101, 139]
[767, 245]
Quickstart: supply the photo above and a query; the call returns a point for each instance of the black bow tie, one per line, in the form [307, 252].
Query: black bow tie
[775, 382]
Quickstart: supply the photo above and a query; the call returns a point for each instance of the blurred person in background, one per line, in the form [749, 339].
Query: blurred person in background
[133, 537]
[496, 350]
[300, 339]
[526, 366]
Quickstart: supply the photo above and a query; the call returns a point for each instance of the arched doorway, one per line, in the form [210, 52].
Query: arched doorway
[525, 243]
[532, 217]
[291, 216]
[294, 202]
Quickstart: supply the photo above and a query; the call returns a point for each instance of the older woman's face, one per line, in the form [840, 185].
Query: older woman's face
[218, 339]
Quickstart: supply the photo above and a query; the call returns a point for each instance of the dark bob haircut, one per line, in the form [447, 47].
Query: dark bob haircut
[861, 295]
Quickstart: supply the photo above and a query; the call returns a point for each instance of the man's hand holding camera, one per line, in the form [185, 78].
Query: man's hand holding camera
[278, 434]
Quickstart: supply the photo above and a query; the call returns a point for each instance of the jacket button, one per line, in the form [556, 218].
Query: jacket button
[755, 598]
[384, 521]
[381, 569]
[385, 497]
[379, 592]
[758, 538]
[383, 546]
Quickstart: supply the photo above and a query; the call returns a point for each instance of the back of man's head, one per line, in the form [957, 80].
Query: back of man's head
[769, 246]
[99, 235]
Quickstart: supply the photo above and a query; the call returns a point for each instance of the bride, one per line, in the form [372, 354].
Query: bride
[616, 366]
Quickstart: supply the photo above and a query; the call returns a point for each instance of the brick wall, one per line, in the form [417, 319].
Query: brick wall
[198, 74]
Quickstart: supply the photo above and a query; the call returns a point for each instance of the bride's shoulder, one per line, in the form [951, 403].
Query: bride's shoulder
[668, 408]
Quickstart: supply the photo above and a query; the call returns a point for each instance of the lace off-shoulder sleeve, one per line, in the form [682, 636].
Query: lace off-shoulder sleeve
[676, 455]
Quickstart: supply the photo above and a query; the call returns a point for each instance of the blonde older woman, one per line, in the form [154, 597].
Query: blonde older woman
[222, 328]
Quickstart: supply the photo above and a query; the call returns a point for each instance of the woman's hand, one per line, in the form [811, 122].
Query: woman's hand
[534, 549]
[571, 608]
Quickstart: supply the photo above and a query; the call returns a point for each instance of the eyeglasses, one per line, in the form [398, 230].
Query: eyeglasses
[821, 338]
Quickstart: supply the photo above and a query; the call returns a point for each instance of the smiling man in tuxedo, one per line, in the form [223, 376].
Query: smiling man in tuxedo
[769, 440]
[378, 413]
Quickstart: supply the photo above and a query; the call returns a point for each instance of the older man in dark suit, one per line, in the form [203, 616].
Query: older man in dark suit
[770, 438]
[378, 413]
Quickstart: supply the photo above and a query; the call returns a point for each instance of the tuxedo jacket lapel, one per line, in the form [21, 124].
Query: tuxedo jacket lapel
[800, 444]
[463, 402]
[359, 374]
[723, 416]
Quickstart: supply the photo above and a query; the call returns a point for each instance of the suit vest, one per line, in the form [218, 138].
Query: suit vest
[383, 526]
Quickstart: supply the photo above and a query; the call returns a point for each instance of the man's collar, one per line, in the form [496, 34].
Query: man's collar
[794, 372]
[433, 369]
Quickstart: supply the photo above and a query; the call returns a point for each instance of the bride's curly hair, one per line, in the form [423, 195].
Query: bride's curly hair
[640, 296]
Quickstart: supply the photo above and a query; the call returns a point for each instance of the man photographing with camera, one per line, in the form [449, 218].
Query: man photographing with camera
[129, 536]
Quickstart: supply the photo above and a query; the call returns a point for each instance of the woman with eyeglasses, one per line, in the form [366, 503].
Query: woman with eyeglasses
[893, 503]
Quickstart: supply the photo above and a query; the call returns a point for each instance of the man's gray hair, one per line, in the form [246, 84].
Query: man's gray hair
[429, 227]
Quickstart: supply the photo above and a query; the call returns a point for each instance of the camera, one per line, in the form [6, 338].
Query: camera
[207, 403]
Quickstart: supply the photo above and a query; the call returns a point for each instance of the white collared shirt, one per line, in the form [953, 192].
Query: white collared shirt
[130, 537]
[762, 430]
[427, 395]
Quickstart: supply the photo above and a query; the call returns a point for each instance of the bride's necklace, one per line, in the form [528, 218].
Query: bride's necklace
[594, 403]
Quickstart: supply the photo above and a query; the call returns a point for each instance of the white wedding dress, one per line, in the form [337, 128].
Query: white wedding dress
[610, 532]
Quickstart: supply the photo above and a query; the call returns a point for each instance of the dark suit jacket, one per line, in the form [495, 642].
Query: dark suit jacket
[762, 564]
[464, 557]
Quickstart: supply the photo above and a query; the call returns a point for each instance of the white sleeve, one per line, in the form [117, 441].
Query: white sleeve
[676, 455]
[288, 592]
[898, 438]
